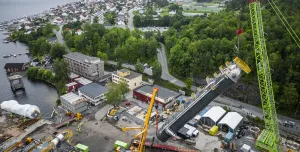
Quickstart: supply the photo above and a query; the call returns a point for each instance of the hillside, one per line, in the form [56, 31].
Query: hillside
[199, 48]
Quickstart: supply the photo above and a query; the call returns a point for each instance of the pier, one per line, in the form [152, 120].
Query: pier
[16, 82]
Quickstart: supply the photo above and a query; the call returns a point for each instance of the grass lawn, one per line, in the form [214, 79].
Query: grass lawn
[165, 11]
[135, 13]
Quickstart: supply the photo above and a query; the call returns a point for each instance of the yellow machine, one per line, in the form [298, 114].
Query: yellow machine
[144, 129]
[65, 135]
[78, 116]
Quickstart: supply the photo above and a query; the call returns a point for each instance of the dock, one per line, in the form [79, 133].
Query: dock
[16, 82]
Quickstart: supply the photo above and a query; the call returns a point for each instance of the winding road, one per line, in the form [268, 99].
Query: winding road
[238, 106]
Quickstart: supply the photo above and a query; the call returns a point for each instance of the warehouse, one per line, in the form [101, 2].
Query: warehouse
[213, 116]
[94, 92]
[230, 122]
[74, 103]
[164, 97]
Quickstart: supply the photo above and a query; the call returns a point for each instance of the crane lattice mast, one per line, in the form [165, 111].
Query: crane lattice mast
[269, 138]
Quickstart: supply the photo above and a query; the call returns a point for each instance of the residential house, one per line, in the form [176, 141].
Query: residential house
[133, 79]
[94, 92]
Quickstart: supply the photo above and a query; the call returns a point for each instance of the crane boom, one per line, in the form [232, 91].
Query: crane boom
[269, 139]
[215, 86]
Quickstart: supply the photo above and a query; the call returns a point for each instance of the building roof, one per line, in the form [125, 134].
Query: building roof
[215, 113]
[162, 93]
[232, 119]
[93, 90]
[131, 76]
[82, 57]
[73, 98]
[73, 75]
[83, 81]
[71, 84]
[13, 65]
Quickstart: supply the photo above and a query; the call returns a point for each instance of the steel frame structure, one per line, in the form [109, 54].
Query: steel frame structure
[269, 138]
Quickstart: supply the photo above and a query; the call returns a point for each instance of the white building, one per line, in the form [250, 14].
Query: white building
[173, 12]
[213, 116]
[94, 92]
[74, 103]
[86, 66]
[133, 79]
[79, 32]
[230, 122]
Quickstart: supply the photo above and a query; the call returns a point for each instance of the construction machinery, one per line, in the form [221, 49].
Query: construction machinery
[67, 122]
[50, 145]
[228, 76]
[144, 129]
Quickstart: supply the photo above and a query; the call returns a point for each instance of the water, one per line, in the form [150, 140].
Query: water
[36, 93]
[11, 9]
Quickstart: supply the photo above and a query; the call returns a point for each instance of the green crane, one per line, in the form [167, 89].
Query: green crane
[269, 138]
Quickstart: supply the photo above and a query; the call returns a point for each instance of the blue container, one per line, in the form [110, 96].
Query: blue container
[228, 137]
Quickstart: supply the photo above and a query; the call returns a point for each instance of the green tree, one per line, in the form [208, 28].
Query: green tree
[32, 72]
[139, 67]
[123, 87]
[58, 50]
[156, 70]
[290, 97]
[40, 73]
[114, 95]
[188, 83]
[47, 75]
[61, 69]
[102, 56]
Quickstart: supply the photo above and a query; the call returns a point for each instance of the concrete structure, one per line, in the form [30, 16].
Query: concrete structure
[74, 103]
[94, 92]
[230, 122]
[16, 82]
[213, 116]
[164, 97]
[133, 79]
[73, 76]
[86, 66]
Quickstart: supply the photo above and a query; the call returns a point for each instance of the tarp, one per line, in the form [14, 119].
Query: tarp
[228, 137]
[213, 130]
[215, 113]
[231, 119]
[26, 110]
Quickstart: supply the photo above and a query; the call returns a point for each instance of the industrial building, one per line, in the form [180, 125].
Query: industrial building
[164, 97]
[230, 122]
[86, 66]
[73, 86]
[94, 92]
[82, 81]
[74, 103]
[213, 116]
[133, 79]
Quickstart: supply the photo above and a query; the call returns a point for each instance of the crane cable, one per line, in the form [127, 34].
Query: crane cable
[285, 22]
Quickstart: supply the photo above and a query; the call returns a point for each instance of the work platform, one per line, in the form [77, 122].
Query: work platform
[16, 82]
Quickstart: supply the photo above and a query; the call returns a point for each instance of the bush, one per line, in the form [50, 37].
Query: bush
[58, 102]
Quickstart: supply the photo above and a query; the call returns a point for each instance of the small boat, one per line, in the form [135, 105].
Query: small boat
[20, 54]
[14, 55]
[5, 42]
[6, 56]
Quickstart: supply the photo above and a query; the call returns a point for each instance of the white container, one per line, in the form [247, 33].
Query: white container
[26, 110]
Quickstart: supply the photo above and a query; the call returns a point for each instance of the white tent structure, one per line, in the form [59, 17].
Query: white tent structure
[26, 110]
[213, 115]
[231, 120]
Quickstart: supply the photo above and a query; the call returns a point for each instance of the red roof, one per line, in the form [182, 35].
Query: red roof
[59, 19]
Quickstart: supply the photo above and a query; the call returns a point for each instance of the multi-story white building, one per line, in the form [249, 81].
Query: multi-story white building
[133, 79]
[74, 103]
[86, 66]
[94, 92]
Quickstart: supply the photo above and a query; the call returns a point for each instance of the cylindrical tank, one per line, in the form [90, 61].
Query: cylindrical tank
[26, 110]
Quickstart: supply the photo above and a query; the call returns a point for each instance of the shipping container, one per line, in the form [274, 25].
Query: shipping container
[213, 130]
[82, 148]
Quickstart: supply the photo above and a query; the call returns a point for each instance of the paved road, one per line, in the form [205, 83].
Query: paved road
[130, 20]
[162, 59]
[60, 38]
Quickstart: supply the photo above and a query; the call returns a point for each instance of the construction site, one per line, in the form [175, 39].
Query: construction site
[155, 119]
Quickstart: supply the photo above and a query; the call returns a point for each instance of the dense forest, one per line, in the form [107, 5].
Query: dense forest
[114, 44]
[199, 48]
